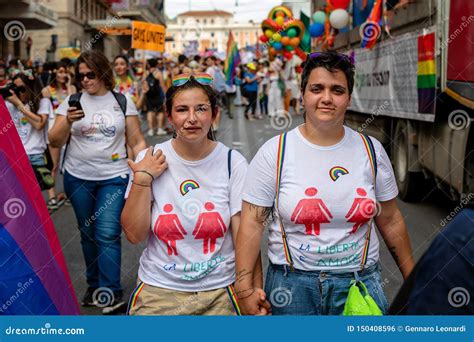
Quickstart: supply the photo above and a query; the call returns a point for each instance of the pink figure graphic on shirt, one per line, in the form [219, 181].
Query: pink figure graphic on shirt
[168, 229]
[361, 211]
[209, 227]
[311, 212]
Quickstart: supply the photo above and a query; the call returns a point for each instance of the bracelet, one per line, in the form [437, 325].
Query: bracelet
[145, 186]
[148, 173]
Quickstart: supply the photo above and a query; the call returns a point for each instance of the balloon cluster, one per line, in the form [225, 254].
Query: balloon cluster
[283, 34]
[338, 18]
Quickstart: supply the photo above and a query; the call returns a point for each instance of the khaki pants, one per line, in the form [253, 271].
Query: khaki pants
[152, 300]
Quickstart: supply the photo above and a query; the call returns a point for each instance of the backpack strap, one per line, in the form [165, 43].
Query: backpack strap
[122, 101]
[229, 162]
[370, 149]
[76, 97]
[280, 160]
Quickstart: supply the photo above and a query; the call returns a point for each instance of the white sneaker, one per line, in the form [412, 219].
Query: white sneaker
[150, 133]
[161, 131]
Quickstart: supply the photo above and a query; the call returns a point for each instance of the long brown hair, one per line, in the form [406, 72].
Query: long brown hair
[99, 64]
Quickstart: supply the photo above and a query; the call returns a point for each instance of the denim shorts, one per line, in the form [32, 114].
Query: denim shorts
[300, 292]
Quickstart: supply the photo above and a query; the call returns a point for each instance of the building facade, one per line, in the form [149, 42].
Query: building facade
[17, 18]
[195, 32]
[83, 24]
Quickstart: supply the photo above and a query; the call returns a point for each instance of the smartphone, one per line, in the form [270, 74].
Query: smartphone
[76, 104]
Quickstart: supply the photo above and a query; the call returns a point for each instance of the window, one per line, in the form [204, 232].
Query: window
[197, 20]
[205, 21]
[212, 34]
[212, 21]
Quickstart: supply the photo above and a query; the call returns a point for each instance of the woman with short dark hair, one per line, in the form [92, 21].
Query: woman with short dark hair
[317, 188]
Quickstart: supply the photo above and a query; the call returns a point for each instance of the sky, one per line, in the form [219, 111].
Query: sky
[246, 9]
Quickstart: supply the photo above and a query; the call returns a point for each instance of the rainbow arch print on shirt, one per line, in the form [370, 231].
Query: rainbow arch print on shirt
[337, 171]
[187, 186]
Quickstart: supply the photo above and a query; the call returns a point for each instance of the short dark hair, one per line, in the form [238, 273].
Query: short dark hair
[182, 59]
[331, 61]
[152, 62]
[99, 64]
[192, 84]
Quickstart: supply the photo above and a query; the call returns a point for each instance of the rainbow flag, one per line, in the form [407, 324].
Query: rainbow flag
[426, 82]
[33, 276]
[232, 59]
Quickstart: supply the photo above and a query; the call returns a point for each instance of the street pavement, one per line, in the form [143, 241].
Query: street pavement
[423, 219]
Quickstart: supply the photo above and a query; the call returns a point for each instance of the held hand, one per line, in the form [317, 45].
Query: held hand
[254, 303]
[74, 115]
[154, 164]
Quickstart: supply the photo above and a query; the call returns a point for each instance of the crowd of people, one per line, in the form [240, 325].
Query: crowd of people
[315, 187]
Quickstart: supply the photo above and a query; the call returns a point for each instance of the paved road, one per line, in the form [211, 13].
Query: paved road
[423, 219]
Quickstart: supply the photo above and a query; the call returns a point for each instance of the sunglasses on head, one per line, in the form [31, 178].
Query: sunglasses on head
[201, 78]
[339, 55]
[90, 75]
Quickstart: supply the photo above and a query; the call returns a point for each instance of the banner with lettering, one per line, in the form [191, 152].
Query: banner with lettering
[148, 36]
[387, 79]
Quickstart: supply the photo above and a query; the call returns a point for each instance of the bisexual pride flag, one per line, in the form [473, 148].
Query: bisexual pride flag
[33, 276]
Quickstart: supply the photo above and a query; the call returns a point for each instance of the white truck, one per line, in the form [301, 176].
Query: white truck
[414, 91]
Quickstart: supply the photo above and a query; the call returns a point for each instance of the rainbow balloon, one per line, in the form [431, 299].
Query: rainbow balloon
[336, 172]
[32, 266]
[187, 186]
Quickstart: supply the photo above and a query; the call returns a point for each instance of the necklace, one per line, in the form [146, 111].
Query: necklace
[57, 97]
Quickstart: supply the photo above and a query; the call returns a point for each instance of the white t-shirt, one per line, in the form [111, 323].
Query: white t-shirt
[325, 194]
[97, 150]
[190, 246]
[34, 140]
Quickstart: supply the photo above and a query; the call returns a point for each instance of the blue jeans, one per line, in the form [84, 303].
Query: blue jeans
[98, 206]
[300, 292]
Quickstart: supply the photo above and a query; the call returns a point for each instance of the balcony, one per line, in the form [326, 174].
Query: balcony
[32, 14]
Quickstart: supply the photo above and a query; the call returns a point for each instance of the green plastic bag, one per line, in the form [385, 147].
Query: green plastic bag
[360, 304]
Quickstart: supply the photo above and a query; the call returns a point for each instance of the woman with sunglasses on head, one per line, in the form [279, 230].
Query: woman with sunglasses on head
[30, 117]
[61, 87]
[96, 128]
[185, 199]
[320, 185]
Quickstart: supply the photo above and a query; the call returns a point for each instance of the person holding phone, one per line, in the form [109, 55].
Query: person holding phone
[96, 127]
[60, 88]
[30, 117]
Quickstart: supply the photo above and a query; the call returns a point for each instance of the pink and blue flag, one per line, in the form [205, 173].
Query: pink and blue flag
[34, 279]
